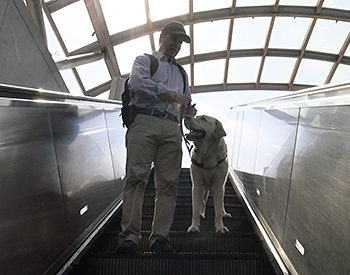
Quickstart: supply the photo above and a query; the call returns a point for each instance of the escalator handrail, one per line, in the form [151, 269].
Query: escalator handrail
[306, 93]
[20, 92]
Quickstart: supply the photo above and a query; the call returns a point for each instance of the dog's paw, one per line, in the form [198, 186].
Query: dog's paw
[222, 230]
[193, 229]
[227, 215]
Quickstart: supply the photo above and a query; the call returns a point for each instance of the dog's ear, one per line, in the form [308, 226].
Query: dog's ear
[219, 131]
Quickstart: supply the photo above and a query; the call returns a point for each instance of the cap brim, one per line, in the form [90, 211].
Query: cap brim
[186, 38]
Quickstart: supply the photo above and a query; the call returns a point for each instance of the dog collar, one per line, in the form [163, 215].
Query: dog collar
[201, 165]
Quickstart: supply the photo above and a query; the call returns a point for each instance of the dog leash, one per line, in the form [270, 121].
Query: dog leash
[187, 143]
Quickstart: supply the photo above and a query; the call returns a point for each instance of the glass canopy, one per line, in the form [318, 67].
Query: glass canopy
[236, 45]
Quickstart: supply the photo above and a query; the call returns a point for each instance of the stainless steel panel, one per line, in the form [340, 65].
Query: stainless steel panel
[273, 166]
[3, 6]
[85, 164]
[33, 229]
[317, 228]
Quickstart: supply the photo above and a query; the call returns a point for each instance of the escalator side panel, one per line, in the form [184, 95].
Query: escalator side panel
[318, 217]
[84, 164]
[33, 229]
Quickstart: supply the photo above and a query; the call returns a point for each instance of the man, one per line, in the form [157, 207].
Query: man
[155, 137]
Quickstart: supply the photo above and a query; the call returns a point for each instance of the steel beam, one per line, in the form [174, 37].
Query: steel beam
[78, 60]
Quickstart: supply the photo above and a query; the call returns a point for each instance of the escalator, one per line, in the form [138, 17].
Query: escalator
[238, 252]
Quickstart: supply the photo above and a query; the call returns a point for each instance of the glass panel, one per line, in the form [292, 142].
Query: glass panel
[312, 3]
[76, 31]
[337, 4]
[53, 44]
[209, 72]
[243, 69]
[123, 16]
[347, 52]
[246, 3]
[328, 36]
[207, 5]
[277, 69]
[289, 32]
[104, 95]
[210, 36]
[161, 9]
[71, 82]
[341, 74]
[313, 72]
[93, 74]
[127, 52]
[249, 33]
[57, 53]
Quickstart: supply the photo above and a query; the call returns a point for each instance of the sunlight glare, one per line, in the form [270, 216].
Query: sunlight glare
[243, 69]
[277, 69]
[313, 72]
[161, 9]
[123, 17]
[289, 32]
[208, 5]
[210, 36]
[249, 33]
[328, 36]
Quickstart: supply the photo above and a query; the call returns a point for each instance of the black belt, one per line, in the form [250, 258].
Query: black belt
[155, 112]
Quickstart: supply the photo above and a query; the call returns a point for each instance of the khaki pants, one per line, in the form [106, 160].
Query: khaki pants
[151, 139]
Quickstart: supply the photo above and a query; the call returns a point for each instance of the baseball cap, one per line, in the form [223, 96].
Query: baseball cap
[176, 27]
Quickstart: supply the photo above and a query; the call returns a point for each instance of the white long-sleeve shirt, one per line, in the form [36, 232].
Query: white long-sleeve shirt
[146, 88]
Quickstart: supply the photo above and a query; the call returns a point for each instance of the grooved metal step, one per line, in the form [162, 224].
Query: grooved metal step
[238, 252]
[197, 243]
[178, 264]
[186, 210]
[187, 199]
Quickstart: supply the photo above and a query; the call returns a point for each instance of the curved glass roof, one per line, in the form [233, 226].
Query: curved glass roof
[236, 45]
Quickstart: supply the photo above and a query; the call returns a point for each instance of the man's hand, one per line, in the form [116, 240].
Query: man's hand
[172, 96]
[191, 111]
[182, 99]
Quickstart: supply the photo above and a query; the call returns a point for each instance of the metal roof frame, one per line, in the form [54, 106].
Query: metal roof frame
[106, 42]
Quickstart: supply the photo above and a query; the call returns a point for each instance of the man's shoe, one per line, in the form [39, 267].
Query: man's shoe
[162, 246]
[126, 248]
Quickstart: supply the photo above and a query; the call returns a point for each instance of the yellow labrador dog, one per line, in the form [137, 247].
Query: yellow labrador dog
[209, 169]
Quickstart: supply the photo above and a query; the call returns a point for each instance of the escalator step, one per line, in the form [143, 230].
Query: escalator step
[186, 210]
[238, 252]
[235, 224]
[186, 264]
[186, 190]
[197, 243]
[186, 199]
